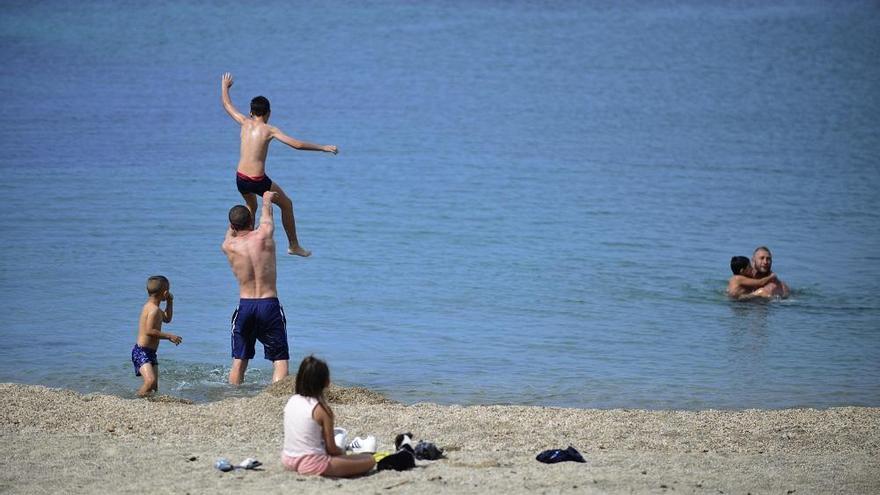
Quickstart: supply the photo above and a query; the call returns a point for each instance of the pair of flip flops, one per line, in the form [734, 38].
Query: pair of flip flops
[224, 465]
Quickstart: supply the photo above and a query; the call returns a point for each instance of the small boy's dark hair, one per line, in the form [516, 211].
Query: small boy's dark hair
[239, 217]
[738, 264]
[156, 284]
[260, 106]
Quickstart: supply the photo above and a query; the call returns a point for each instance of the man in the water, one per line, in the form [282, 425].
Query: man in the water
[762, 264]
[757, 279]
[259, 316]
[251, 177]
[741, 285]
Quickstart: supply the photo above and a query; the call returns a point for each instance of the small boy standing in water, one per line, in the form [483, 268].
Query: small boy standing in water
[143, 354]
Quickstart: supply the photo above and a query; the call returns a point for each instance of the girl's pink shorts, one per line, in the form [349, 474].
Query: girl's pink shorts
[306, 464]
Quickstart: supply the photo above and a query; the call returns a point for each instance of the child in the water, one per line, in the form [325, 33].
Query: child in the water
[143, 354]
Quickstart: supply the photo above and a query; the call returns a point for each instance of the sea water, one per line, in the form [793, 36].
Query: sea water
[533, 203]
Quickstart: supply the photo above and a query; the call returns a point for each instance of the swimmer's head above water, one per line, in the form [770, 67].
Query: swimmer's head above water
[738, 264]
[762, 261]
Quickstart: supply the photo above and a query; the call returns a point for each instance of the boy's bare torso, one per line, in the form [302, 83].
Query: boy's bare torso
[255, 139]
[151, 317]
[251, 255]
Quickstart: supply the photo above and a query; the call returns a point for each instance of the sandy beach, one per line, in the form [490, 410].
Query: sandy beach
[58, 440]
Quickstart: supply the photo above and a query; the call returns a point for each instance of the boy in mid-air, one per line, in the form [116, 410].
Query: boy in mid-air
[251, 176]
[143, 354]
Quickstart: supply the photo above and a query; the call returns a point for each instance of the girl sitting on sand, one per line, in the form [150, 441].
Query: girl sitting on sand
[309, 447]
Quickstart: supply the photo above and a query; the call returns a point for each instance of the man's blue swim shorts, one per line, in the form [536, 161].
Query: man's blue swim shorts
[263, 320]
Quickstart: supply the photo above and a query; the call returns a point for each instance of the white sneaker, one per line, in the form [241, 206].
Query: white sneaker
[339, 435]
[363, 445]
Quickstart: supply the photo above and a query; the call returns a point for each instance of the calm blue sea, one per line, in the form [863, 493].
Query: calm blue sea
[534, 202]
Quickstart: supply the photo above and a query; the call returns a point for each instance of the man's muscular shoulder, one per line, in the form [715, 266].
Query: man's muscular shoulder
[226, 246]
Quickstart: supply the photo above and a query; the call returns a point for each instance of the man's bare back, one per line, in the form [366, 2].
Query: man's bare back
[251, 255]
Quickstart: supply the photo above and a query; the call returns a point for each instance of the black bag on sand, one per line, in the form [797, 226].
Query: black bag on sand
[428, 451]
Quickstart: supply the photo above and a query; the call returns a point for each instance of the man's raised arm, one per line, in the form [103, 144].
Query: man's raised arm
[267, 223]
[225, 84]
[301, 145]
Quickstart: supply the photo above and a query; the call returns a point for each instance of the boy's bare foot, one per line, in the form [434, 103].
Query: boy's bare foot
[299, 251]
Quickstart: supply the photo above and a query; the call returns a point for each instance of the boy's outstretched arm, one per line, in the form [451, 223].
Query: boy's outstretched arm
[225, 84]
[301, 145]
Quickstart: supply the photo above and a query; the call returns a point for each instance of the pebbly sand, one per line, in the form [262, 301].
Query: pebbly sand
[58, 440]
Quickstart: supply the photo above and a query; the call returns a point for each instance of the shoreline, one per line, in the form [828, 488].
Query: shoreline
[62, 440]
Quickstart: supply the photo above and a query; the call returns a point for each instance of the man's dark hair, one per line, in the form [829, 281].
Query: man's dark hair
[738, 264]
[260, 106]
[239, 217]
